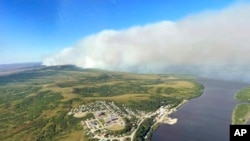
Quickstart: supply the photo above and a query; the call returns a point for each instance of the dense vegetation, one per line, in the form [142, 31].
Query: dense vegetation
[110, 90]
[34, 103]
[241, 113]
[143, 130]
[243, 95]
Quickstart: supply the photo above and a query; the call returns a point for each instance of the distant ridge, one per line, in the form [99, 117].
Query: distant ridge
[6, 69]
[62, 67]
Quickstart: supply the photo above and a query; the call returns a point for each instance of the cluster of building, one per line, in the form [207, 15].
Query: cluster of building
[108, 118]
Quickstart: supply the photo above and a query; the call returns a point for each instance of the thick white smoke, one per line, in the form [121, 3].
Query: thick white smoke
[211, 38]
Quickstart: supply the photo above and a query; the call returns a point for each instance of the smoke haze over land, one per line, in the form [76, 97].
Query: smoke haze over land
[210, 41]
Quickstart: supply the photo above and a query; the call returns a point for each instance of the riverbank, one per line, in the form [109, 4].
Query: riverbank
[168, 120]
[204, 118]
[163, 118]
[241, 113]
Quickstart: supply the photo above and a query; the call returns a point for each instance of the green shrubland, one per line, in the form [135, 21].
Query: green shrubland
[34, 103]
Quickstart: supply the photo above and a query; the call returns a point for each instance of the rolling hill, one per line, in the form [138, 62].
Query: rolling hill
[34, 103]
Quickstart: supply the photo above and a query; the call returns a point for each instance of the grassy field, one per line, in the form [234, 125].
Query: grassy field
[116, 127]
[241, 113]
[34, 103]
[243, 95]
[74, 136]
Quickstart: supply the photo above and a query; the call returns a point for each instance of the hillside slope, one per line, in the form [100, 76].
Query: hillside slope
[34, 103]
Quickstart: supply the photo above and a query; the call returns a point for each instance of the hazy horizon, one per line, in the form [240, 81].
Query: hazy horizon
[206, 42]
[190, 37]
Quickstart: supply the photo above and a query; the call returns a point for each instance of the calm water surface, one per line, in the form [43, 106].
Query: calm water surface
[206, 118]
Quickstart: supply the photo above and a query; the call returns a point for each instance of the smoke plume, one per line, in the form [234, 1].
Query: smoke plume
[210, 39]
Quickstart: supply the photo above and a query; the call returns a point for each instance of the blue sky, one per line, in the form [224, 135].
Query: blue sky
[30, 30]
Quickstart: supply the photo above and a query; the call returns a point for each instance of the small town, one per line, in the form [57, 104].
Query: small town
[105, 119]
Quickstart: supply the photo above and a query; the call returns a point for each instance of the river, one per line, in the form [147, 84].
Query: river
[206, 118]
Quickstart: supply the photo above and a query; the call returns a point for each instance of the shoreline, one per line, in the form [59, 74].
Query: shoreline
[168, 120]
[165, 119]
[237, 118]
